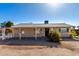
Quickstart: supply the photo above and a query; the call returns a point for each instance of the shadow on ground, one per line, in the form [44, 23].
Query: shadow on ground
[69, 39]
[32, 42]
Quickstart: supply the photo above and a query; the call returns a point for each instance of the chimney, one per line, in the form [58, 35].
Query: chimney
[46, 22]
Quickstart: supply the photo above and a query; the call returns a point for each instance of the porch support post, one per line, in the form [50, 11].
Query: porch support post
[3, 33]
[13, 32]
[20, 33]
[35, 33]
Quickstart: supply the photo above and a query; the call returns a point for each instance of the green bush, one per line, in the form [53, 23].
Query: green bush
[53, 37]
[73, 34]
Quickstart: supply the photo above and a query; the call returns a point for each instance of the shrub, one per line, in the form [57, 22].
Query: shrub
[73, 34]
[54, 37]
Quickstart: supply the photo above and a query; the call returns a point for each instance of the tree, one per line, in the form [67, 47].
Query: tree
[2, 24]
[9, 24]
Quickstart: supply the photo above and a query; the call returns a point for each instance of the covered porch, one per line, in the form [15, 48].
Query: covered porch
[23, 33]
[29, 33]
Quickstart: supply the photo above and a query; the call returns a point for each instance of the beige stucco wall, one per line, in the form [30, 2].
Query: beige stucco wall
[29, 32]
[54, 29]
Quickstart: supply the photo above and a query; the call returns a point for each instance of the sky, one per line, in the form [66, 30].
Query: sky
[39, 12]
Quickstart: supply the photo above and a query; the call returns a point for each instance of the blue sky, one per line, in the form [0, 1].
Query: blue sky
[38, 12]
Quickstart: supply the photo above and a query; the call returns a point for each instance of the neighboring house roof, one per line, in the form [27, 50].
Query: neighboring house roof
[43, 25]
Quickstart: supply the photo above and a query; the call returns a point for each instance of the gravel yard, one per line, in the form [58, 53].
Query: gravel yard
[67, 48]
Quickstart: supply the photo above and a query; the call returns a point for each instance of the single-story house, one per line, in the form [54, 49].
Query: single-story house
[40, 30]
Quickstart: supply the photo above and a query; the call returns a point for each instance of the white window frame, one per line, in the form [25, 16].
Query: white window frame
[63, 30]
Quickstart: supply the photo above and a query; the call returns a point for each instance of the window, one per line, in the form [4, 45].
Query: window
[63, 29]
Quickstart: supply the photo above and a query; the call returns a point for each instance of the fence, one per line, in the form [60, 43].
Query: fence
[9, 35]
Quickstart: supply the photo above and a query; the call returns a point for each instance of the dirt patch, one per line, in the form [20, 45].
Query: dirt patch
[36, 52]
[65, 49]
[67, 45]
[21, 47]
[71, 45]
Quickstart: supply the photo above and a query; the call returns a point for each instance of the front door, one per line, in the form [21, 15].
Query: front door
[46, 31]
